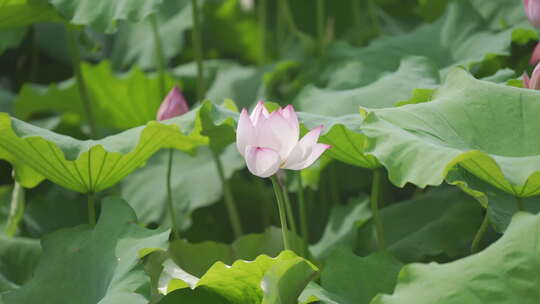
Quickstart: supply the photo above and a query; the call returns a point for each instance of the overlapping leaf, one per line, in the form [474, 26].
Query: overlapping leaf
[344, 135]
[118, 101]
[99, 265]
[94, 165]
[350, 279]
[505, 272]
[265, 280]
[486, 128]
[17, 13]
[439, 224]
[413, 73]
[103, 15]
[195, 182]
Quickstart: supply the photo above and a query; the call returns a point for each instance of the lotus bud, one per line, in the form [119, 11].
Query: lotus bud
[535, 57]
[271, 141]
[534, 81]
[173, 105]
[532, 9]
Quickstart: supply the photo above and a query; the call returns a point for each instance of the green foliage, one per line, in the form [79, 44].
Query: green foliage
[266, 280]
[500, 274]
[17, 13]
[480, 126]
[99, 264]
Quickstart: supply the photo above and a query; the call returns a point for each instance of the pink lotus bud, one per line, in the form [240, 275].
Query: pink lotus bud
[535, 57]
[534, 81]
[270, 142]
[173, 105]
[532, 9]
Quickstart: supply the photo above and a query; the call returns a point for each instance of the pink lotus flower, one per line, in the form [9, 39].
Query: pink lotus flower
[532, 9]
[270, 142]
[535, 57]
[173, 105]
[534, 81]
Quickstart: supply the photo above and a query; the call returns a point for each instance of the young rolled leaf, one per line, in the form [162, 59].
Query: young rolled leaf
[94, 165]
[99, 265]
[486, 128]
[502, 273]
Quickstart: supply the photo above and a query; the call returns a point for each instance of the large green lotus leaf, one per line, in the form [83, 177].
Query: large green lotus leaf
[94, 265]
[197, 258]
[350, 279]
[195, 184]
[18, 259]
[342, 227]
[17, 13]
[500, 206]
[118, 101]
[11, 38]
[134, 42]
[103, 15]
[501, 13]
[94, 165]
[239, 83]
[460, 37]
[486, 128]
[343, 134]
[504, 273]
[440, 223]
[267, 280]
[413, 73]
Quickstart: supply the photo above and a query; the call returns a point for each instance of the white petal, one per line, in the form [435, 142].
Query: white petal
[303, 149]
[276, 133]
[290, 115]
[245, 133]
[263, 162]
[259, 113]
[316, 152]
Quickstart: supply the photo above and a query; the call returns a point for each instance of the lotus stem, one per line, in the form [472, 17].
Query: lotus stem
[92, 209]
[374, 17]
[480, 234]
[160, 56]
[81, 84]
[229, 199]
[519, 203]
[288, 207]
[282, 216]
[375, 197]
[16, 210]
[262, 24]
[320, 25]
[170, 201]
[197, 48]
[304, 228]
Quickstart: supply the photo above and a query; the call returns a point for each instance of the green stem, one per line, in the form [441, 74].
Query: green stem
[287, 14]
[304, 228]
[320, 25]
[262, 24]
[480, 234]
[519, 203]
[170, 201]
[197, 48]
[229, 199]
[160, 55]
[92, 209]
[81, 84]
[375, 196]
[374, 18]
[282, 216]
[288, 207]
[334, 191]
[16, 210]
